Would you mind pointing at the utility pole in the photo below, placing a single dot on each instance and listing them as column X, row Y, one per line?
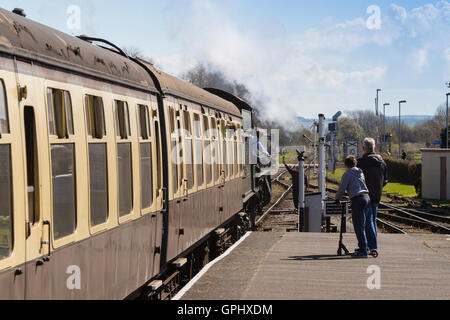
column 399, row 127
column 446, row 116
column 322, row 176
column 446, row 122
column 376, row 102
column 384, row 126
column 314, row 129
column 376, row 114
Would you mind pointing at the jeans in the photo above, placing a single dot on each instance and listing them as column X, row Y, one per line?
column 371, row 226
column 360, row 207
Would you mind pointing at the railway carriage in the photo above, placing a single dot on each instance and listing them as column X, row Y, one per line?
column 111, row 171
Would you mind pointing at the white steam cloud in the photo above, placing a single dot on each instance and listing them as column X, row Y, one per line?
column 302, row 74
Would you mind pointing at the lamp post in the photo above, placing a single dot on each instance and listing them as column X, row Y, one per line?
column 384, row 125
column 376, row 113
column 376, row 102
column 446, row 122
column 399, row 126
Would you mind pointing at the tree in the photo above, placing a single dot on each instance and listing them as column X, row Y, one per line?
column 203, row 76
column 135, row 52
column 349, row 129
column 440, row 115
column 366, row 119
column 444, row 137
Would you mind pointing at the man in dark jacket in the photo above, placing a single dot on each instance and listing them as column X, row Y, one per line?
column 375, row 172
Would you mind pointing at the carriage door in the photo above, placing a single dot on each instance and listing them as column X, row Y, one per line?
column 12, row 193
column 32, row 115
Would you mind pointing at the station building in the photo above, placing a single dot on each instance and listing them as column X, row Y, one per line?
column 436, row 174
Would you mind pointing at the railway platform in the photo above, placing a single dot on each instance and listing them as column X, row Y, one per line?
column 298, row 266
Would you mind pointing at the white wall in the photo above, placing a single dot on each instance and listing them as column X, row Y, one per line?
column 431, row 173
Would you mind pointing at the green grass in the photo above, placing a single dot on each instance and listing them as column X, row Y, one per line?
column 406, row 190
column 289, row 157
column 337, row 175
column 417, row 157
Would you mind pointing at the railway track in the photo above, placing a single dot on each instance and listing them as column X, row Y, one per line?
column 279, row 216
column 391, row 218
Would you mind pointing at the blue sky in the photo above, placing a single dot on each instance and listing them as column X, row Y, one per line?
column 299, row 57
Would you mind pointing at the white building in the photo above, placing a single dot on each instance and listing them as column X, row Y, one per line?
column 436, row 174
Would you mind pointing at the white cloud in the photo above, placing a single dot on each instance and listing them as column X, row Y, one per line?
column 279, row 69
column 400, row 12
column 420, row 59
column 446, row 55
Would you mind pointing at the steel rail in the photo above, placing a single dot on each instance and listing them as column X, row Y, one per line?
column 390, row 226
column 431, row 216
column 440, row 228
column 412, row 218
column 263, row 216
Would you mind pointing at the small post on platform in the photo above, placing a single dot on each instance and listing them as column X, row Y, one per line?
column 301, row 188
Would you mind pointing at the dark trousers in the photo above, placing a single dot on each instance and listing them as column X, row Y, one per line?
column 371, row 225
column 360, row 206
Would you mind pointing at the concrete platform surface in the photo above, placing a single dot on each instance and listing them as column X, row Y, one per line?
column 297, row 266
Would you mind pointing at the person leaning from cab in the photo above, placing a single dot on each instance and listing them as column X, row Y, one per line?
column 353, row 182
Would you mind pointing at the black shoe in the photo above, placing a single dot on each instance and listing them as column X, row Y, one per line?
column 359, row 254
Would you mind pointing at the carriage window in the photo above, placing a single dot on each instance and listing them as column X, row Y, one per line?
column 6, row 204
column 158, row 155
column 98, row 183
column 197, row 126
column 122, row 119
column 59, row 107
column 95, row 116
column 125, row 182
column 32, row 164
column 187, row 123
column 146, row 175
column 174, row 141
column 214, row 127
column 144, row 121
column 63, row 186
column 215, row 150
column 145, row 158
column 198, row 149
column 4, row 121
column 205, row 127
column 188, row 149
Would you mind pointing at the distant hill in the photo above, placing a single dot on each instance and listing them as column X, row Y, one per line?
column 406, row 119
column 412, row 120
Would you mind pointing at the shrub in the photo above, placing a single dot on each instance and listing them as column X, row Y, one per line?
column 408, row 172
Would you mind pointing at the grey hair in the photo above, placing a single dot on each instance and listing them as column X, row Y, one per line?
column 369, row 144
